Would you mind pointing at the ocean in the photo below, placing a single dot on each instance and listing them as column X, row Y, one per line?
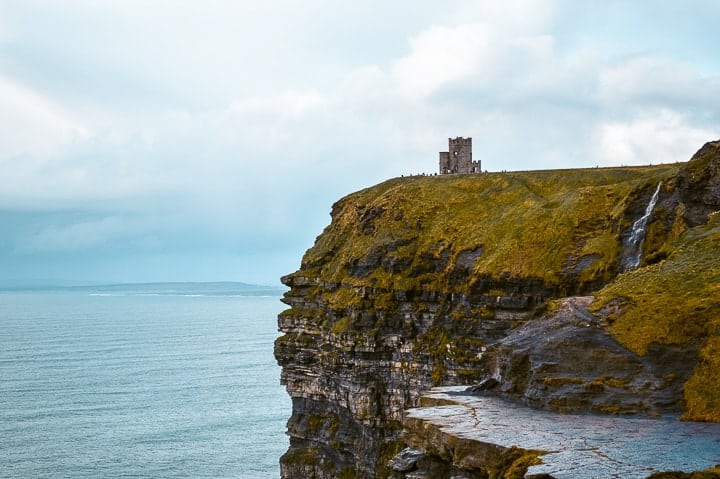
column 141, row 381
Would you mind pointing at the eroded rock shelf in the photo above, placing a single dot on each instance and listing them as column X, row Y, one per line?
column 577, row 445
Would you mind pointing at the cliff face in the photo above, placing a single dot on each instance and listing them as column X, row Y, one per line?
column 453, row 280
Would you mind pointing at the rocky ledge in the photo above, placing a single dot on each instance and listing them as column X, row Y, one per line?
column 515, row 284
column 457, row 434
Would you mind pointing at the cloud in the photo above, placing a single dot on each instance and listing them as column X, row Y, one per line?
column 442, row 55
column 646, row 81
column 34, row 126
column 74, row 237
column 481, row 56
column 286, row 105
column 663, row 136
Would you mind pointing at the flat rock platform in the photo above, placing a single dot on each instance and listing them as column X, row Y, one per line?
column 578, row 445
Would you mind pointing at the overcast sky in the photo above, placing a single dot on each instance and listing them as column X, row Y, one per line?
column 199, row 140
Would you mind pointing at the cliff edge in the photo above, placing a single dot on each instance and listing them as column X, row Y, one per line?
column 516, row 284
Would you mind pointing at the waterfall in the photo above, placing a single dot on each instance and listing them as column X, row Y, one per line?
column 632, row 248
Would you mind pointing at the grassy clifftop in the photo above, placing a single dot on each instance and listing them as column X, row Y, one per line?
column 545, row 225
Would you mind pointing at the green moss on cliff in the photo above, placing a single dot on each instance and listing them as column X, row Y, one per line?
column 303, row 456
column 343, row 325
column 712, row 473
column 702, row 391
column 516, row 462
column 342, row 298
column 400, row 234
column 676, row 301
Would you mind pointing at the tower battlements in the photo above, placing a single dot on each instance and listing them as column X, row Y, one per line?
column 459, row 141
column 458, row 158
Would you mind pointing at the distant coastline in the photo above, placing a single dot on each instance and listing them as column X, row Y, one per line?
column 214, row 288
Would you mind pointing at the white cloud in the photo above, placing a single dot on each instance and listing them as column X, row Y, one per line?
column 643, row 81
column 286, row 105
column 270, row 123
column 512, row 16
column 442, row 55
column 662, row 136
column 32, row 125
column 479, row 56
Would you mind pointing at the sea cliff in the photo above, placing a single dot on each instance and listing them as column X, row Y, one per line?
column 515, row 284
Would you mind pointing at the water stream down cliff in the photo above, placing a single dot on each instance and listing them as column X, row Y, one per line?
column 510, row 284
column 632, row 252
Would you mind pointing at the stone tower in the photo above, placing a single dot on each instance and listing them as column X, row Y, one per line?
column 458, row 158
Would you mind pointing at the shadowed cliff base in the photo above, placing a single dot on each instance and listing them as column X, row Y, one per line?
column 460, row 280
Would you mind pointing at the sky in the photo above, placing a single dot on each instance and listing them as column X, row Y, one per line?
column 206, row 140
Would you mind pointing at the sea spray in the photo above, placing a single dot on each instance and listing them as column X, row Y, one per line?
column 632, row 251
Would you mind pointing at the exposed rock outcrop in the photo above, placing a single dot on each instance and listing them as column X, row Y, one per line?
column 484, row 280
column 698, row 184
column 566, row 360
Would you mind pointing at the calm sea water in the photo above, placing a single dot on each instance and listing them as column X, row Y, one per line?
column 140, row 383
